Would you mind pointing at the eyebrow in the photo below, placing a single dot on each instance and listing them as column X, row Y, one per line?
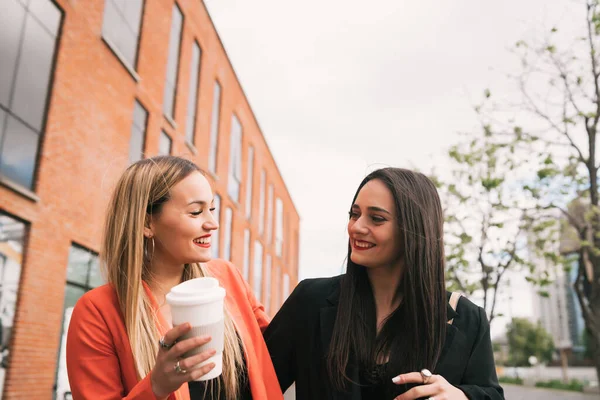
column 373, row 208
column 199, row 202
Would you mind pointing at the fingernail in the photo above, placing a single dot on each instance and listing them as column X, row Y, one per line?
column 396, row 379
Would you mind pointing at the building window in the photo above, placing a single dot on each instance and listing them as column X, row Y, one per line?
column 164, row 144
column 214, row 129
column 257, row 269
column 276, row 286
column 250, row 172
column 235, row 160
column 83, row 274
column 215, row 234
column 138, row 133
column 27, row 47
column 270, row 215
column 227, row 231
column 121, row 28
column 246, row 270
column 173, row 62
column 261, row 202
column 278, row 227
column 267, row 302
column 12, row 242
column 190, row 123
column 285, row 289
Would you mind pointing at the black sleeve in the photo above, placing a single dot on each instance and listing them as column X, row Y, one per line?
column 480, row 381
column 281, row 339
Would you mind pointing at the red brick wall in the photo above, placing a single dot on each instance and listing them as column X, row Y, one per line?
column 85, row 148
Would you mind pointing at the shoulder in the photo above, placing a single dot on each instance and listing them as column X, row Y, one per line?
column 227, row 273
column 470, row 316
column 317, row 290
column 103, row 297
column 96, row 311
column 101, row 302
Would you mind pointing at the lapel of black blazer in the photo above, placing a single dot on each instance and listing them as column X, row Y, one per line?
column 328, row 314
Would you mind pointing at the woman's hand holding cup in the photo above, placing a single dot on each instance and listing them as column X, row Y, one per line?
column 171, row 370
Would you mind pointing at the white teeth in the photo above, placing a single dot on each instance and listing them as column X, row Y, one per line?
column 205, row 240
column 363, row 245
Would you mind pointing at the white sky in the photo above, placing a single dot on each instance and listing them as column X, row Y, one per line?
column 358, row 85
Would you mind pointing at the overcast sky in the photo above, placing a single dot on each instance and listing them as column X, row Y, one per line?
column 360, row 85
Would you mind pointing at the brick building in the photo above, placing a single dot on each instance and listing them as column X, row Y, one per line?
column 86, row 87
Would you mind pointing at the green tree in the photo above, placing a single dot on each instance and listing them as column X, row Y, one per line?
column 526, row 339
column 487, row 216
column 557, row 123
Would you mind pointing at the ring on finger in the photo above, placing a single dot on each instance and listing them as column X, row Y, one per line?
column 178, row 369
column 163, row 344
column 426, row 375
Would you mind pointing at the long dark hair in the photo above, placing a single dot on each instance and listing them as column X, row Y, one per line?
column 413, row 335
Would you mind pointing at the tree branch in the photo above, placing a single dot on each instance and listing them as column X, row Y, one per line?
column 595, row 73
column 571, row 219
column 535, row 109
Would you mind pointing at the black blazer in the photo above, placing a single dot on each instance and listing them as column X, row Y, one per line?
column 300, row 333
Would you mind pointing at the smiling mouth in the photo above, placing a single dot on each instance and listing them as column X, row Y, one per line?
column 362, row 245
column 202, row 242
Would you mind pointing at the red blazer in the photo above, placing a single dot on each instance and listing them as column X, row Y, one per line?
column 100, row 361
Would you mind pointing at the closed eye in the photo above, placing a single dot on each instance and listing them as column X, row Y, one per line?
column 378, row 219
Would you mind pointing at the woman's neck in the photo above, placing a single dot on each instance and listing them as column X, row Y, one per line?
column 164, row 277
column 384, row 283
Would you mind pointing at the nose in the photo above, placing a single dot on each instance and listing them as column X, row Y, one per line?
column 211, row 223
column 357, row 227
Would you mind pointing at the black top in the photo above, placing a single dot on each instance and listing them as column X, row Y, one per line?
column 299, row 336
column 372, row 382
column 199, row 391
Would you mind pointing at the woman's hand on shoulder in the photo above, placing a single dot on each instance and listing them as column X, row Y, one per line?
column 433, row 387
column 171, row 370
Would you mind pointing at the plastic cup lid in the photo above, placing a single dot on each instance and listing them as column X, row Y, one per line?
column 196, row 291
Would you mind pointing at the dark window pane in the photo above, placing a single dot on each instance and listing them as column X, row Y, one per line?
column 2, row 120
column 33, row 74
column 12, row 237
column 193, row 96
column 121, row 27
column 214, row 129
column 19, row 152
column 114, row 28
column 172, row 61
column 132, row 10
column 72, row 294
column 215, row 236
column 138, row 128
column 47, row 13
column 11, row 24
column 78, row 266
column 140, row 116
column 164, row 145
column 136, row 144
column 169, row 99
column 128, row 45
column 95, row 279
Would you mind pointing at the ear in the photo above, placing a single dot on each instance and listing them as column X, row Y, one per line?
column 148, row 228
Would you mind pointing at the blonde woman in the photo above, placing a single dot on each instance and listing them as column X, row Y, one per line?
column 120, row 343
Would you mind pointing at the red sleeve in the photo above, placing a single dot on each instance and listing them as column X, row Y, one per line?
column 92, row 363
column 259, row 310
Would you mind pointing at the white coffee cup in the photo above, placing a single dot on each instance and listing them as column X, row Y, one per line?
column 199, row 301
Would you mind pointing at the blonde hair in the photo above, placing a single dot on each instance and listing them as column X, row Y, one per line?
column 139, row 194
